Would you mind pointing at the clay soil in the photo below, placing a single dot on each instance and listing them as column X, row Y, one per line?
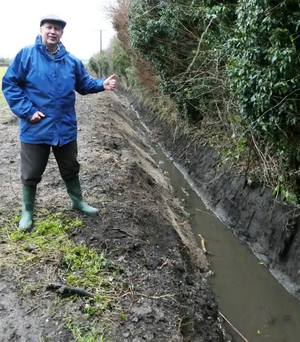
column 141, row 227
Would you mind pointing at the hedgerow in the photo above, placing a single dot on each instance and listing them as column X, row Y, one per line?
column 167, row 34
column 232, row 69
column 264, row 72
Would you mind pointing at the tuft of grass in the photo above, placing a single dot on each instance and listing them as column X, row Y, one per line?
column 82, row 335
column 49, row 248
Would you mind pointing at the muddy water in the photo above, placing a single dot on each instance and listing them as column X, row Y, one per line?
column 255, row 303
column 249, row 296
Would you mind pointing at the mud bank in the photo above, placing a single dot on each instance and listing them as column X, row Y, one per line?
column 141, row 227
column 270, row 228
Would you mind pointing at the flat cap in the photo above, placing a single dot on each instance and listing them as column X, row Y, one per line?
column 52, row 17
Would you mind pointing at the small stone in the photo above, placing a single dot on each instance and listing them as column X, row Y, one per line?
column 31, row 248
column 127, row 334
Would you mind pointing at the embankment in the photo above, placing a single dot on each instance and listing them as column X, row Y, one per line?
column 269, row 227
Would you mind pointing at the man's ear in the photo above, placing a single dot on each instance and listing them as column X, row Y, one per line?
column 41, row 29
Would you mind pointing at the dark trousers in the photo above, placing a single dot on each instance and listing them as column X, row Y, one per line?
column 34, row 159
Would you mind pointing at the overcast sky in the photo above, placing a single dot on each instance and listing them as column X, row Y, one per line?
column 20, row 19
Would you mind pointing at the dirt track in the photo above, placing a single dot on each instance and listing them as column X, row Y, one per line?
column 141, row 227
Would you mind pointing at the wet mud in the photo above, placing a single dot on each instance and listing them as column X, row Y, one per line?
column 141, row 226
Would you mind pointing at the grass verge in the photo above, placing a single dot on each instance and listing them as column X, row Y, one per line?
column 48, row 254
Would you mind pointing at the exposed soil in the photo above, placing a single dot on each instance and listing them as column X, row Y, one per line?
column 141, row 227
column 268, row 226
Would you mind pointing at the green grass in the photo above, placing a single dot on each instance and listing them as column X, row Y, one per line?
column 50, row 247
column 81, row 336
column 2, row 72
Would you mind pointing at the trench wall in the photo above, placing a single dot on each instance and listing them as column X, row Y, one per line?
column 269, row 227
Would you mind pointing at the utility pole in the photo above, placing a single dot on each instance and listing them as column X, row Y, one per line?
column 100, row 49
column 100, row 41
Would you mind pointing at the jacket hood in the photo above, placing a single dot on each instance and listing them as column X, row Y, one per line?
column 42, row 47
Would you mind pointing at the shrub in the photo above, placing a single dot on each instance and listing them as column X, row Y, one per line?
column 264, row 70
column 103, row 65
column 93, row 65
column 179, row 40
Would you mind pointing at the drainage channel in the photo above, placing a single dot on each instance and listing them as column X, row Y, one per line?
column 248, row 295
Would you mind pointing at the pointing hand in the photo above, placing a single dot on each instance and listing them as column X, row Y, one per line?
column 110, row 83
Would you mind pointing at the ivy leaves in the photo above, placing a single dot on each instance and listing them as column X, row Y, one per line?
column 264, row 68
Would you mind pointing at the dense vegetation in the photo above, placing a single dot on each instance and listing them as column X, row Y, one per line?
column 232, row 70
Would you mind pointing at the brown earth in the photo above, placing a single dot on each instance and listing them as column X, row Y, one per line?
column 141, row 227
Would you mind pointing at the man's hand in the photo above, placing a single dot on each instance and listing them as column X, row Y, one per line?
column 110, row 83
column 37, row 117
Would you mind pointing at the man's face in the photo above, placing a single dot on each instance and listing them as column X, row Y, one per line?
column 51, row 33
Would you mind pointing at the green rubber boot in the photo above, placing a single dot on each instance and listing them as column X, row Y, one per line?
column 74, row 191
column 29, row 192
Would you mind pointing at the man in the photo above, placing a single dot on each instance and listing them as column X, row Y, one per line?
column 40, row 86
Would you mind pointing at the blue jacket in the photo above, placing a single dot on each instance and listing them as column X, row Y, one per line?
column 35, row 81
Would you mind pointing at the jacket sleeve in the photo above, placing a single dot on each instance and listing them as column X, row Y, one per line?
column 84, row 83
column 12, row 87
